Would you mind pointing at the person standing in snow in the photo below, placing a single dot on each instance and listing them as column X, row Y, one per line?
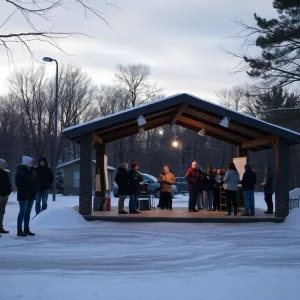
column 135, row 178
column 231, row 181
column 248, row 182
column 26, row 183
column 45, row 179
column 268, row 184
column 166, row 179
column 208, row 180
column 5, row 190
column 122, row 180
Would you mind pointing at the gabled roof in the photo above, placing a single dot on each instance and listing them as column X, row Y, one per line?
column 77, row 161
column 190, row 112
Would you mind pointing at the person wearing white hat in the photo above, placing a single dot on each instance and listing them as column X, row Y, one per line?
column 26, row 183
column 5, row 190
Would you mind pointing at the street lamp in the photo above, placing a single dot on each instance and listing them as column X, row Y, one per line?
column 49, row 59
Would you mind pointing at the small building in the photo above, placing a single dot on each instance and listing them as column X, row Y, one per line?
column 72, row 176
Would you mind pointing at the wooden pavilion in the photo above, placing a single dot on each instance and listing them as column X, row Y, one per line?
column 245, row 132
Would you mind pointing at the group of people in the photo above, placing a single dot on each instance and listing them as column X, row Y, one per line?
column 204, row 189
column 32, row 185
column 203, row 186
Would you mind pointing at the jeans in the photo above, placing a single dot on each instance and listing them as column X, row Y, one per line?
column 208, row 199
column 249, row 202
column 133, row 203
column 24, row 213
column 200, row 201
column 193, row 198
column 121, row 202
column 41, row 196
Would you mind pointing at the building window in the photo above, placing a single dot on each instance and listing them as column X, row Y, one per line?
column 76, row 178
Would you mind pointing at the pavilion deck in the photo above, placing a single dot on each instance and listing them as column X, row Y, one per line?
column 180, row 215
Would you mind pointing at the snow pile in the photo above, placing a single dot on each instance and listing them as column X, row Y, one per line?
column 295, row 193
column 293, row 219
column 59, row 217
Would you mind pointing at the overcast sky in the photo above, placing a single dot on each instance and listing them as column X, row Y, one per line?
column 181, row 40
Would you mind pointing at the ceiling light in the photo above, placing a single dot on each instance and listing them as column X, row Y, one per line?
column 141, row 121
column 202, row 132
column 225, row 122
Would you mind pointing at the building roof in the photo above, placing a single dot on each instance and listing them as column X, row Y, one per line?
column 190, row 112
column 77, row 161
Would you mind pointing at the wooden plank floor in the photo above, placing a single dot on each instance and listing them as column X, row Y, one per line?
column 180, row 215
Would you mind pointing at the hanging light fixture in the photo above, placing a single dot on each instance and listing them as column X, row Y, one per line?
column 142, row 131
column 175, row 144
column 225, row 122
column 202, row 132
column 141, row 121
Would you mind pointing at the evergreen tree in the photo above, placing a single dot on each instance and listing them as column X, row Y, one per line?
column 279, row 39
column 59, row 181
column 268, row 107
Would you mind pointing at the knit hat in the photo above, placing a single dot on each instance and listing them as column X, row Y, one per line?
column 2, row 163
column 134, row 164
column 26, row 160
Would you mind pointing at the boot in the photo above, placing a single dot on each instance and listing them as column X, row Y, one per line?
column 28, row 232
column 123, row 212
column 2, row 230
column 21, row 233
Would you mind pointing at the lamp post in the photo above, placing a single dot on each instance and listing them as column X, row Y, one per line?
column 48, row 59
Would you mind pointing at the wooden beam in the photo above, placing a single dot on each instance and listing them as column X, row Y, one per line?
column 135, row 130
column 209, row 117
column 178, row 113
column 97, row 138
column 259, row 142
column 218, row 131
column 216, row 136
column 133, row 123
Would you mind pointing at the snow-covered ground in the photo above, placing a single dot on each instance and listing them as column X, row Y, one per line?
column 74, row 259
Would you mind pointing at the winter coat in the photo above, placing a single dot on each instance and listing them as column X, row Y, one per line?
column 193, row 178
column 218, row 181
column 166, row 186
column 5, row 185
column 135, row 178
column 122, row 180
column 26, row 183
column 268, row 183
column 231, row 180
column 208, row 180
column 249, row 180
column 44, row 176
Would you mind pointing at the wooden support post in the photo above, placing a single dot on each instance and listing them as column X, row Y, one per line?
column 86, row 177
column 282, row 178
column 100, row 186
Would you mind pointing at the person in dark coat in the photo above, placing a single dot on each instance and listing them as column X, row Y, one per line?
column 268, row 184
column 26, row 183
column 122, row 180
column 200, row 189
column 5, row 190
column 248, row 183
column 135, row 178
column 45, row 179
column 217, row 185
column 208, row 180
column 192, row 176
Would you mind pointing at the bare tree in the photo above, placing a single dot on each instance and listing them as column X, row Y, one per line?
column 35, row 12
column 232, row 98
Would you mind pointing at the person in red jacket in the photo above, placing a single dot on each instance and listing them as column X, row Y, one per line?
column 193, row 178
